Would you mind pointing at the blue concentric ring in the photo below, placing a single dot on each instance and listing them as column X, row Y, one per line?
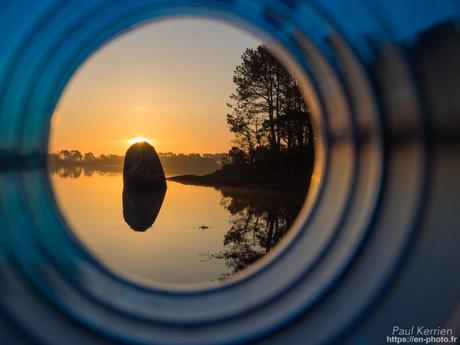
column 355, row 59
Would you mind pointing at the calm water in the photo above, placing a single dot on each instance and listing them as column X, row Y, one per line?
column 200, row 233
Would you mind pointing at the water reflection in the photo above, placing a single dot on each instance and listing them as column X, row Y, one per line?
column 141, row 204
column 75, row 170
column 200, row 234
column 259, row 220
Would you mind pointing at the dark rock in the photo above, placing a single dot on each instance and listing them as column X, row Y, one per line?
column 141, row 204
column 144, row 186
column 142, row 165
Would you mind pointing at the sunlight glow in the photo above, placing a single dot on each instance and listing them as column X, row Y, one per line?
column 139, row 140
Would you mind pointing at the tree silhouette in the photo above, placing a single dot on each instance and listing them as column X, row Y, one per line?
column 89, row 156
column 269, row 116
column 76, row 155
column 64, row 155
column 237, row 156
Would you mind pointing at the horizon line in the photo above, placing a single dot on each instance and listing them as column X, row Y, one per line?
column 168, row 152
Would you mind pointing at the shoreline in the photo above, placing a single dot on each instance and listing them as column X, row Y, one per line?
column 243, row 181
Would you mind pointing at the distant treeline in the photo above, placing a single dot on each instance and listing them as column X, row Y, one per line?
column 173, row 163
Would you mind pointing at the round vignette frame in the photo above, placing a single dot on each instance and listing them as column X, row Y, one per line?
column 336, row 140
column 319, row 168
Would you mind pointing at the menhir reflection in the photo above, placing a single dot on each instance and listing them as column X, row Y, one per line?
column 144, row 186
column 141, row 205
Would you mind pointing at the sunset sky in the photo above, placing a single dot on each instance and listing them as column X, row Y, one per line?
column 167, row 81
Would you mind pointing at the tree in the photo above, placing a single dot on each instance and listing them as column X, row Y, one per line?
column 258, row 84
column 245, row 125
column 296, row 131
column 237, row 156
column 65, row 155
column 89, row 156
column 268, row 112
column 76, row 155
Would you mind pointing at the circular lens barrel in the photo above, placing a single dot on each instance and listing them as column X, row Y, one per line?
column 376, row 248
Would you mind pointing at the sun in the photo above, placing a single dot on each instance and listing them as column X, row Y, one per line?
column 139, row 140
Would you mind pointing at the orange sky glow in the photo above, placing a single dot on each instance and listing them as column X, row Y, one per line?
column 168, row 82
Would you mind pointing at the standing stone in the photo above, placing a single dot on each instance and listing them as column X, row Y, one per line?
column 142, row 165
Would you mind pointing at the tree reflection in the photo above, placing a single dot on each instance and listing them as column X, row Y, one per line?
column 75, row 171
column 258, row 221
column 68, row 171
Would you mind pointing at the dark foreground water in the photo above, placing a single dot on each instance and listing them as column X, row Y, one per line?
column 200, row 233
